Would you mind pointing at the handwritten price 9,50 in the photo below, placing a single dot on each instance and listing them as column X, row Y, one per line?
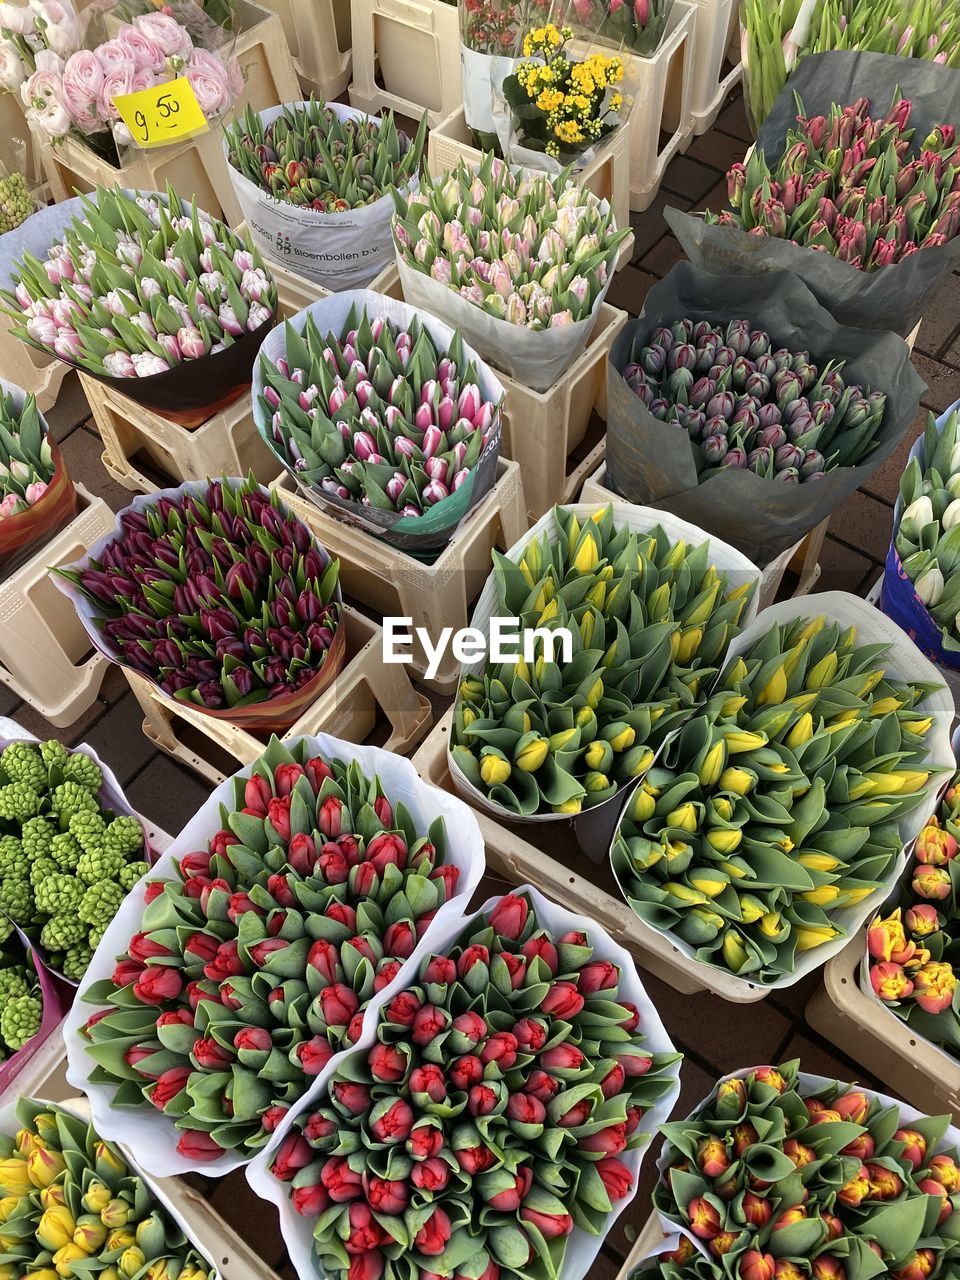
column 163, row 114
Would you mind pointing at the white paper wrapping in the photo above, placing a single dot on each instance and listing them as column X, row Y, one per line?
column 80, row 1108
column 640, row 519
column 337, row 250
column 582, row 1248
column 481, row 71
column 151, row 1132
column 536, row 358
column 807, row 1084
column 904, row 661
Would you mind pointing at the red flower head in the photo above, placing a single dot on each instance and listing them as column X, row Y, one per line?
column 914, row 1146
column 333, row 866
column 387, row 1064
column 317, row 770
column 500, row 1048
column 175, row 1017
column 599, row 975
column 135, row 1055
column 610, row 1141
column 517, row 968
column 261, row 950
column 385, row 849
column 365, row 1231
column 314, row 1054
column 278, row 815
column 613, row 1082
column 450, row 877
column 210, row 1056
column 428, row 1023
column 387, row 1196
column 475, row 954
column 202, row 946
column 387, row 970
column 704, row 1218
column 481, row 1100
column 302, row 854
column 432, row 1237
column 366, row 1266
column 430, row 1175
column 198, row 1146
column 550, row 1225
column 562, row 1057
column 294, row 1154
column 615, row 1176
column 428, row 1080
column 310, row 1202
column 319, row 1127
column 342, row 913
column 338, row 1004
column 226, row 963
column 152, row 890
column 126, row 971
column 509, row 916
column 285, row 778
column 400, row 940
column 466, row 1071
column 325, row 958
column 257, row 795
column 632, row 1021
column 425, row 1142
column 524, row 1108
column 195, row 864
column 168, row 1085
column 384, row 810
column 563, row 1000
column 221, row 842
column 440, row 970
column 542, row 1086
column 330, row 817
column 340, row 1181
column 530, row 1034
column 542, row 947
column 272, row 1117
column 157, row 983
column 142, row 947
column 403, row 1008
column 393, row 1121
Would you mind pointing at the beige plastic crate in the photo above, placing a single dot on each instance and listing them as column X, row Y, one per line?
column 144, row 451
column 557, row 436
column 803, row 558
column 45, row 654
column 196, row 168
column 406, row 55
column 364, row 697
column 716, row 33
column 266, row 64
column 924, row 1075
column 319, row 39
column 568, row 875
column 28, row 368
column 392, row 584
column 608, row 177
column 662, row 105
column 294, row 292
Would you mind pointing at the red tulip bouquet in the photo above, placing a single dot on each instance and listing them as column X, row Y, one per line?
column 780, row 1175
column 492, row 1120
column 302, row 893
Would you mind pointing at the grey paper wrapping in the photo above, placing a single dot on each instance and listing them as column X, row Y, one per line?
column 651, row 462
column 894, row 297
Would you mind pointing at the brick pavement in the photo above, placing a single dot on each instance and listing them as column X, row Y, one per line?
column 169, row 794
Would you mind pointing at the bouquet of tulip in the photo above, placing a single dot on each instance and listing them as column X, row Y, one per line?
column 495, row 1118
column 137, row 291
column 753, row 405
column 863, row 203
column 36, row 495
column 298, row 170
column 71, row 850
column 638, row 25
column 817, row 416
column 848, row 185
column 780, row 807
column 254, row 962
column 650, row 618
column 490, row 31
column 912, row 948
column 921, row 582
column 218, row 596
column 509, row 258
column 73, row 1206
column 385, row 414
column 76, row 94
column 48, row 29
column 561, row 107
column 775, row 36
column 852, row 1183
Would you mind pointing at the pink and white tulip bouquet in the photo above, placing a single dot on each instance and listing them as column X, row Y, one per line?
column 36, row 494
column 491, row 1121
column 75, row 93
column 139, row 290
column 254, row 963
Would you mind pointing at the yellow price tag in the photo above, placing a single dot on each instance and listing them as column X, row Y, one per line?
column 163, row 114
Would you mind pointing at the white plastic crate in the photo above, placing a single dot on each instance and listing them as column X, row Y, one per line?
column 45, row 654
column 267, row 67
column 715, row 37
column 414, row 45
column 662, row 105
column 319, row 38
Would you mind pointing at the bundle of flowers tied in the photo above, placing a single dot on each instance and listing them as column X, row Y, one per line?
column 854, row 192
column 220, row 597
column 36, row 494
column 650, row 615
column 73, row 1206
column 777, row 817
column 921, row 581
column 520, row 262
column 142, row 291
column 289, row 905
column 911, row 946
column 491, row 1123
column 21, row 1001
column 780, row 1175
column 314, row 184
column 387, row 416
column 71, row 849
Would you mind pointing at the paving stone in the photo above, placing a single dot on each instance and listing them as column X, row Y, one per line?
column 841, row 569
column 82, row 451
column 167, row 794
column 253, row 1219
column 821, row 1059
column 628, row 289
column 118, row 738
column 864, row 524
column 34, row 723
column 885, row 481
column 793, row 1000
column 689, row 178
column 664, row 255
column 114, row 686
column 10, row 702
column 733, row 120
column 717, row 150
column 70, row 410
column 941, row 320
column 649, row 227
column 943, row 383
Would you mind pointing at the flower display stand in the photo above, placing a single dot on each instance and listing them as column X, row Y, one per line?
column 803, row 558
column 266, row 64
column 294, row 292
column 434, row 596
column 558, row 436
column 415, row 46
column 45, row 654
column 366, row 696
column 607, row 176
column 319, row 39
column 144, row 451
column 662, row 105
column 197, row 168
column 923, row 1074
column 566, row 874
column 716, row 31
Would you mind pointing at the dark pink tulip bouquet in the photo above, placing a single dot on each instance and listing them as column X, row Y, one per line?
column 491, row 1123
